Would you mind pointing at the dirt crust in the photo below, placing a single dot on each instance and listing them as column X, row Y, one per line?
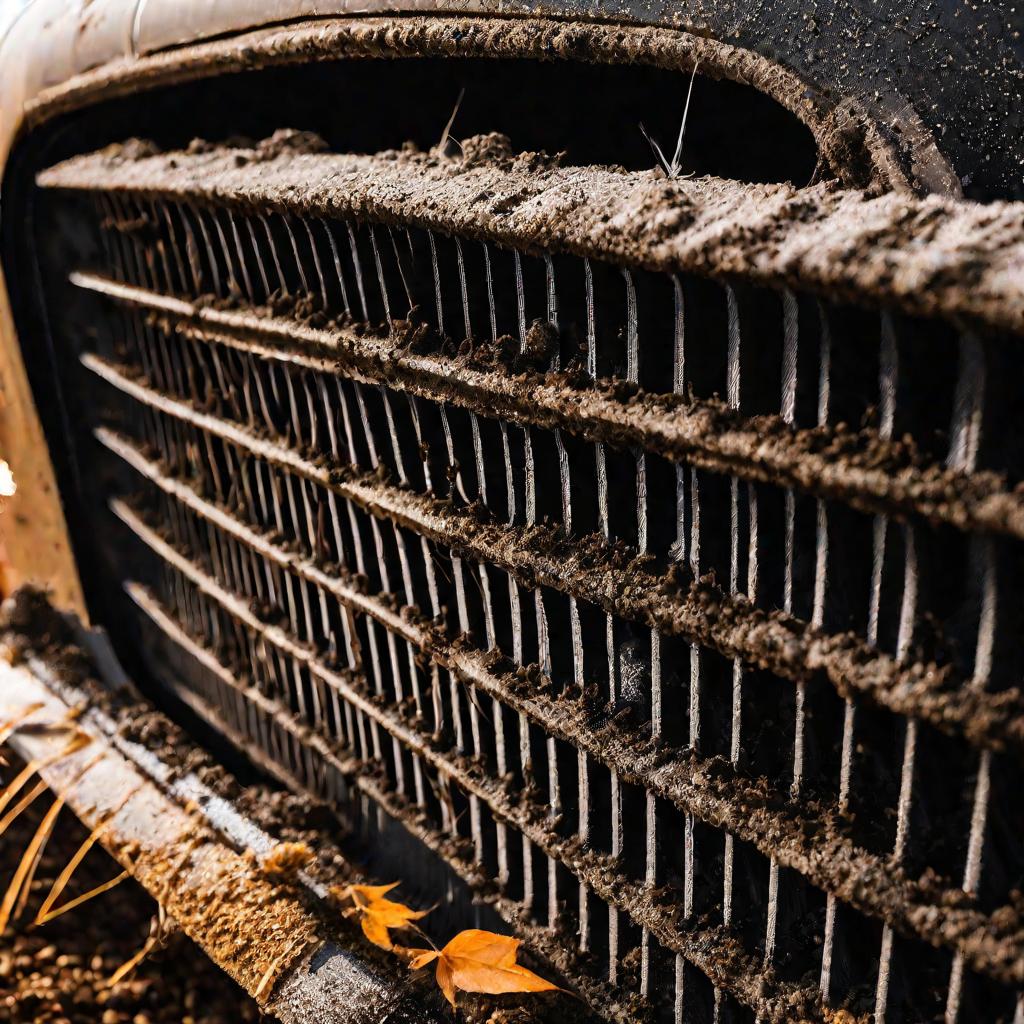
column 614, row 579
column 857, row 466
column 267, row 912
column 58, row 973
column 931, row 257
column 811, row 838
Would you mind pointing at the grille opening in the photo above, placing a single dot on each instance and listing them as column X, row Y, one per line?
column 830, row 565
column 733, row 130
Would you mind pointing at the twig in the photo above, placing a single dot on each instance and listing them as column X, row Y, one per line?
column 25, row 864
column 21, row 805
column 673, row 167
column 132, row 962
column 442, row 145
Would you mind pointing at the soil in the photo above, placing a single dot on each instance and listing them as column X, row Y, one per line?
column 57, row 974
column 858, row 150
column 857, row 466
column 929, row 257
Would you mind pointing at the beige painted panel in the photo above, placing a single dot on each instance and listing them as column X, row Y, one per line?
column 33, row 532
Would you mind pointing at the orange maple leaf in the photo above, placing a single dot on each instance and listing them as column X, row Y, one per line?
column 479, row 961
column 378, row 915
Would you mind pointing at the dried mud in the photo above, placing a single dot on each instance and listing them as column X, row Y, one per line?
column 853, row 147
column 930, row 257
column 267, row 911
column 808, row 837
column 858, row 467
column 612, row 578
column 57, row 974
column 724, row 961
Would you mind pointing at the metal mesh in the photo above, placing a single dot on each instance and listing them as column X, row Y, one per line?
column 721, row 745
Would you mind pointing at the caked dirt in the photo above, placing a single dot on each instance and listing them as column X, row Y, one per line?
column 928, row 257
column 264, row 916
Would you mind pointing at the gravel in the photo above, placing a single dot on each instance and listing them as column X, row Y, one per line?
column 57, row 974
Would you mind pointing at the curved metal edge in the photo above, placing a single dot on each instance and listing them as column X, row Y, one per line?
column 188, row 847
column 58, row 56
column 158, row 44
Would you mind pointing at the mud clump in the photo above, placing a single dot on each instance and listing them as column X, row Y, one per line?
column 492, row 148
column 284, row 863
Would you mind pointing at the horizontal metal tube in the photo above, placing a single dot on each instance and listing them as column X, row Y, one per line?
column 807, row 839
column 738, row 972
column 538, row 556
column 704, row 434
column 540, row 940
column 164, row 831
column 928, row 256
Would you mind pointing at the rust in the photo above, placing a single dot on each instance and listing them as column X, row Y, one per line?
column 929, row 257
column 804, row 836
column 590, row 570
column 860, row 468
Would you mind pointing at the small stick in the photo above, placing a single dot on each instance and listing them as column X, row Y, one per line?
column 25, row 864
column 11, row 726
column 268, row 975
column 45, row 912
column 99, row 890
column 451, row 120
column 673, row 168
column 26, row 885
column 132, row 962
column 12, row 789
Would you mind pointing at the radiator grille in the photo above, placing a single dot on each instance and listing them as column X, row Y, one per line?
column 709, row 697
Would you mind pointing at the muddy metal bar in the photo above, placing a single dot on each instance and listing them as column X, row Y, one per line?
column 703, row 434
column 929, row 256
column 724, row 800
column 178, row 850
column 731, row 625
column 739, row 972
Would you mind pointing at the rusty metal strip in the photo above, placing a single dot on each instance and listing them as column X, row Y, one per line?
column 929, row 256
column 735, row 971
column 731, row 625
column 704, row 434
column 804, row 838
column 209, row 886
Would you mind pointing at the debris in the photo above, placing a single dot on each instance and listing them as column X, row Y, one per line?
column 480, row 961
column 283, row 864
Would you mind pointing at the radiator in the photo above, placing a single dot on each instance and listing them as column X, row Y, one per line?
column 635, row 559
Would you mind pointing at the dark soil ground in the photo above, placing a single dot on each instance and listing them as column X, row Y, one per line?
column 58, row 973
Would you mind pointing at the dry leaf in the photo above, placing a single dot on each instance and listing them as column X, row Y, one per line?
column 479, row 961
column 378, row 915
